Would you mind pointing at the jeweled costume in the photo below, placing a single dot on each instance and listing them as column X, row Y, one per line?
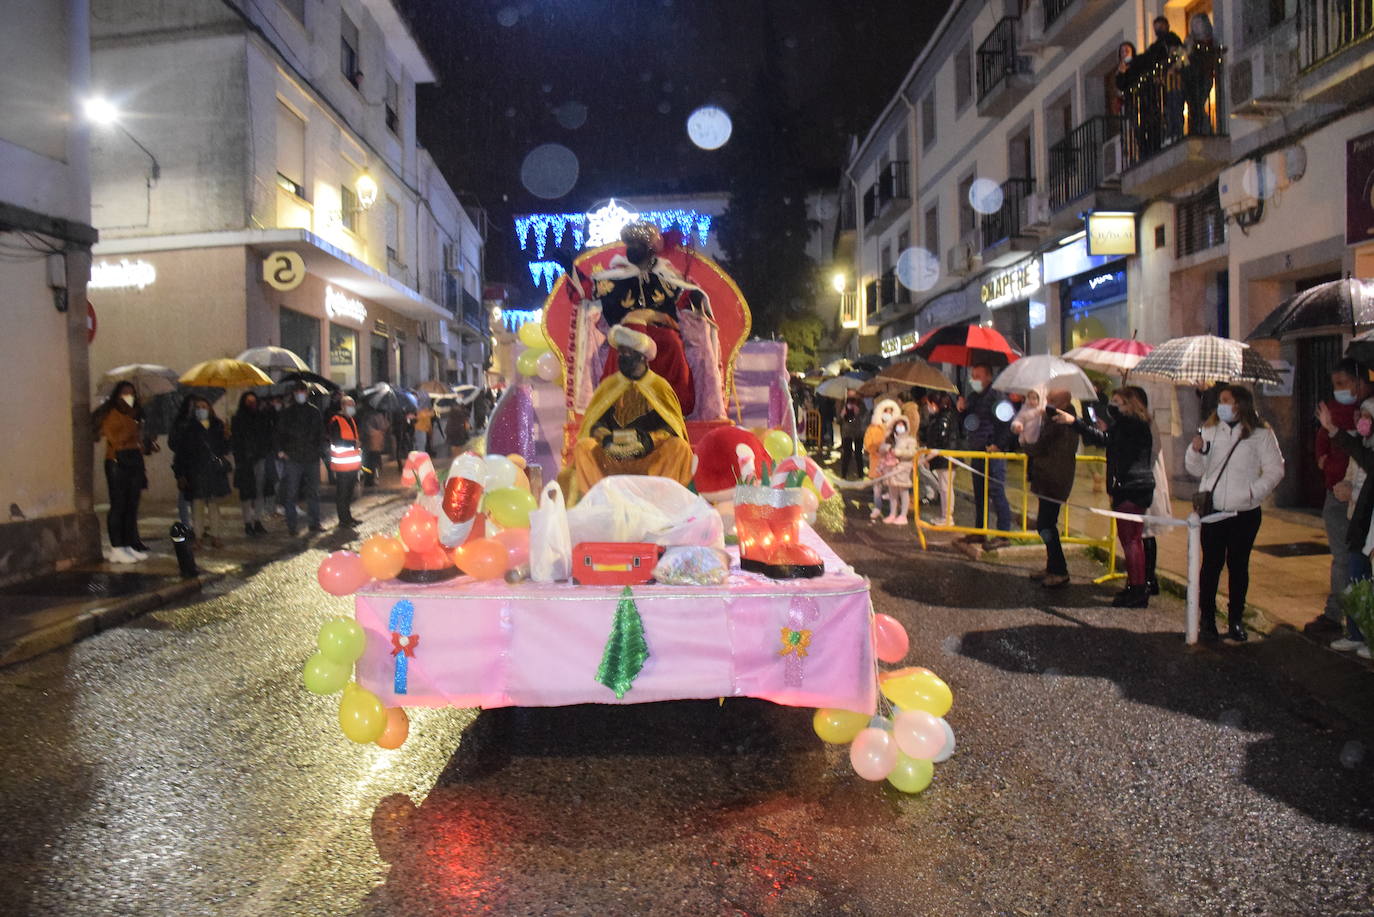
column 633, row 424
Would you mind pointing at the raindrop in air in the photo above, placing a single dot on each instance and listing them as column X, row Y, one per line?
column 1004, row 411
column 1352, row 754
column 571, row 115
column 918, row 269
column 709, row 127
column 510, row 112
column 826, row 208
column 645, row 76
column 664, row 107
column 508, row 16
column 667, row 86
column 546, row 88
column 549, row 171
column 1231, row 718
column 985, row 195
column 790, row 42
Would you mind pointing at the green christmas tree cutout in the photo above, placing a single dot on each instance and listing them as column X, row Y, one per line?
column 626, row 650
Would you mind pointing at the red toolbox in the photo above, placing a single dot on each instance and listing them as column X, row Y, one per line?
column 614, row 563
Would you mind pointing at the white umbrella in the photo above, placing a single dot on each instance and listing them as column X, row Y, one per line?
column 838, row 387
column 149, row 379
column 273, row 358
column 1046, row 372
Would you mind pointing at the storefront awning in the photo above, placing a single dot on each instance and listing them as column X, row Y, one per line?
column 323, row 259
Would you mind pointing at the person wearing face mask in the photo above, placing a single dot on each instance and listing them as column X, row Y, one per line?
column 986, row 433
column 1235, row 457
column 1332, row 460
column 251, row 432
column 633, row 425
column 299, row 442
column 201, row 444
column 119, row 424
column 1053, row 452
column 899, row 453
column 1358, row 492
column 345, row 458
column 1129, row 442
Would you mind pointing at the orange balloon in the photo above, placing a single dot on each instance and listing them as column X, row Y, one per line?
column 397, row 728
column 517, row 544
column 522, row 480
column 485, row 558
column 517, row 459
column 419, row 529
column 383, row 557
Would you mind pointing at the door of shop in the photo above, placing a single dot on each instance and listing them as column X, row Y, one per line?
column 1316, row 357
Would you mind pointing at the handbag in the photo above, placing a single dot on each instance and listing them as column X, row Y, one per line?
column 1202, row 499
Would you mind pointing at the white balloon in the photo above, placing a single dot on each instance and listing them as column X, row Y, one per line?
column 948, row 750
column 469, row 465
column 500, row 472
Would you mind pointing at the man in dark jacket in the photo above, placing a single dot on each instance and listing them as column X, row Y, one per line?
column 987, row 433
column 300, row 440
column 1348, row 390
column 1055, row 452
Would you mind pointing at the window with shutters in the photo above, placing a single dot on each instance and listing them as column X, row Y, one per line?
column 393, row 230
column 932, row 230
column 348, row 51
column 393, row 105
column 290, row 150
column 348, row 208
column 963, row 77
column 928, row 121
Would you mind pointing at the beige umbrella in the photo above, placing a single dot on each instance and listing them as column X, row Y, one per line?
column 269, row 359
column 917, row 372
column 434, row 387
column 149, row 380
column 225, row 373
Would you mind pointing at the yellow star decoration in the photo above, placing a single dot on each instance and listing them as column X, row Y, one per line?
column 795, row 641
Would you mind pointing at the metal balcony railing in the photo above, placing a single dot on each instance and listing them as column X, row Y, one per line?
column 1178, row 99
column 871, row 304
column 1199, row 223
column 1005, row 222
column 997, row 57
column 1076, row 161
column 893, row 183
column 870, row 205
column 1327, row 27
column 472, row 310
column 1054, row 9
column 892, row 292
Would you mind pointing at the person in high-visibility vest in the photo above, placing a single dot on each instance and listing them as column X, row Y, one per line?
column 345, row 459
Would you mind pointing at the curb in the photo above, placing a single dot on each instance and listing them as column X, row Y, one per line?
column 103, row 617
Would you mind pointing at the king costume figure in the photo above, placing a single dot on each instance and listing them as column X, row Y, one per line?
column 634, row 424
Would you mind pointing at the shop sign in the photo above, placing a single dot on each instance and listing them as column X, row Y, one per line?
column 1070, row 260
column 284, row 270
column 910, row 340
column 1111, row 232
column 1016, row 282
column 121, row 275
column 890, row 347
column 341, row 305
column 1359, row 189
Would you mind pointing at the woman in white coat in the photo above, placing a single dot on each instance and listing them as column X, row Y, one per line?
column 1235, row 456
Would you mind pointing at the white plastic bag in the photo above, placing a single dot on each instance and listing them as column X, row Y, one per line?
column 632, row 507
column 550, row 542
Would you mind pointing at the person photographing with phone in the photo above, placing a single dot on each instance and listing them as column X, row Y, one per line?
column 1236, row 459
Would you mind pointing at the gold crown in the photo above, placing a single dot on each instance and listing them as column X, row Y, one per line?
column 645, row 233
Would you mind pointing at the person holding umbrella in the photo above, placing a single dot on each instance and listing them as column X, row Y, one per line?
column 853, row 424
column 987, row 432
column 119, row 424
column 1237, row 461
column 251, row 434
column 1053, row 450
column 299, row 441
column 201, row 444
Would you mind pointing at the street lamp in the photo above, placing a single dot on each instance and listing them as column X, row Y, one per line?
column 366, row 187
column 104, row 113
column 838, row 281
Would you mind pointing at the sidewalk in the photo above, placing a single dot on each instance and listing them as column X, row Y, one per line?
column 49, row 612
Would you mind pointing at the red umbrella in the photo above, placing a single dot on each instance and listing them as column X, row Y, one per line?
column 1109, row 355
column 966, row 345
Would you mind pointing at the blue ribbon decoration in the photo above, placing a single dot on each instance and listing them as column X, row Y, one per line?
column 402, row 620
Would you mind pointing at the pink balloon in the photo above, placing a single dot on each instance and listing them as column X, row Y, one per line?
column 890, row 639
column 873, row 753
column 517, row 543
column 343, row 573
column 918, row 734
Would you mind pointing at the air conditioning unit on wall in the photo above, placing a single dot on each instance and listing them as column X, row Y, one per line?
column 1035, row 212
column 1112, row 159
column 1263, row 81
column 962, row 259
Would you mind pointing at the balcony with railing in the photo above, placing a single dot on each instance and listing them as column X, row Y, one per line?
column 1335, row 53
column 1005, row 237
column 1068, row 21
column 1175, row 128
column 1076, row 162
column 892, row 294
column 1003, row 74
column 472, row 311
column 871, row 303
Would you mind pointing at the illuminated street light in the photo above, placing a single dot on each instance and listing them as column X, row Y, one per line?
column 838, row 281
column 366, row 187
column 101, row 111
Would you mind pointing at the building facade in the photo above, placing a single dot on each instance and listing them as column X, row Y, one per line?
column 45, row 245
column 1015, row 180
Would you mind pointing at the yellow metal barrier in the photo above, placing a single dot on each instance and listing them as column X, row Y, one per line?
column 967, row 456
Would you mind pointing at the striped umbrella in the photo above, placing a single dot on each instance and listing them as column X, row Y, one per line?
column 1109, row 355
column 1205, row 358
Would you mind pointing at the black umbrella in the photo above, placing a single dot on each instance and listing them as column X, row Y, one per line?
column 1345, row 303
column 309, row 377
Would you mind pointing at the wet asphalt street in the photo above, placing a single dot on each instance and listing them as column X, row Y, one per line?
column 176, row 766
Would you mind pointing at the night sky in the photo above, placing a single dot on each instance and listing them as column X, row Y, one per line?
column 614, row 81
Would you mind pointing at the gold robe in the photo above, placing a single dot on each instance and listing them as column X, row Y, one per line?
column 628, row 400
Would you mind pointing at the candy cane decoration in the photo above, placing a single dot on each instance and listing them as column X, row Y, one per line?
column 419, row 470
column 462, row 497
column 807, row 466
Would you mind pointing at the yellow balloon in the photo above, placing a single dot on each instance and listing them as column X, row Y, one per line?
column 911, row 775
column 838, row 727
column 777, row 444
column 361, row 715
column 510, row 507
column 527, row 364
column 532, row 336
column 919, row 691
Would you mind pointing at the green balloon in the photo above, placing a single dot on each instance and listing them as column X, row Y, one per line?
column 510, row 507
column 341, row 640
column 911, row 775
column 324, row 676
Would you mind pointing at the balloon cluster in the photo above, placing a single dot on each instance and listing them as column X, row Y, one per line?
column 537, row 359
column 905, row 741
column 362, row 718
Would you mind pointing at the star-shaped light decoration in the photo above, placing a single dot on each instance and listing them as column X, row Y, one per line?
column 604, row 223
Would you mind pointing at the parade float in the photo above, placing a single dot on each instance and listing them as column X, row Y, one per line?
column 634, row 545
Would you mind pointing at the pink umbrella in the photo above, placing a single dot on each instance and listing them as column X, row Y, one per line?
column 1109, row 355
